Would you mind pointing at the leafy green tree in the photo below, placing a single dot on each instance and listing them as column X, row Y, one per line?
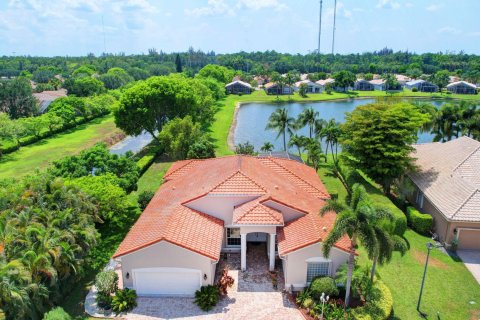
column 414, row 73
column 344, row 79
column 149, row 104
column 53, row 121
column 308, row 117
column 178, row 63
column 202, row 149
column 138, row 73
column 357, row 220
column 84, row 87
column 57, row 314
column 245, row 148
column 441, row 79
column 314, row 152
column 221, row 74
column 267, row 147
column 391, row 82
column 34, row 126
column 368, row 76
column 63, row 109
column 16, row 98
column 302, row 91
column 84, row 71
column 395, row 126
column 115, row 78
column 43, row 75
column 178, row 136
column 282, row 123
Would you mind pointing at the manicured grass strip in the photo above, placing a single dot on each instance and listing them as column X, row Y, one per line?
column 449, row 286
column 151, row 179
column 41, row 154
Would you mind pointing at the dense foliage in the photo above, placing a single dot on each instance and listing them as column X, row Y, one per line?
column 16, row 98
column 124, row 300
column 99, row 161
column 377, row 139
column 57, row 314
column 207, row 297
column 325, row 285
column 420, row 222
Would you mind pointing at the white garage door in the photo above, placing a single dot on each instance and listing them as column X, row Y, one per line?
column 166, row 281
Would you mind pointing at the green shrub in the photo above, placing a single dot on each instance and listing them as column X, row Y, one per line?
column 379, row 307
column 124, row 300
column 57, row 314
column 145, row 162
column 323, row 285
column 420, row 222
column 207, row 297
column 414, row 89
column 308, row 303
column 144, row 198
column 104, row 300
column 107, row 282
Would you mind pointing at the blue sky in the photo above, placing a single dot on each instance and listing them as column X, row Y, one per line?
column 74, row 27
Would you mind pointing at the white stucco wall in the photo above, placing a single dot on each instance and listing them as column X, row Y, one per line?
column 220, row 207
column 295, row 264
column 165, row 254
column 288, row 213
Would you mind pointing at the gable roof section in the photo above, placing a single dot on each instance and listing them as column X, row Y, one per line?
column 240, row 82
column 166, row 218
column 449, row 176
column 257, row 214
column 468, row 84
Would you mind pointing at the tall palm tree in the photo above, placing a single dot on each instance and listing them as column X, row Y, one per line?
column 282, row 123
column 308, row 117
column 314, row 152
column 331, row 132
column 298, row 142
column 267, row 147
column 357, row 220
column 14, row 297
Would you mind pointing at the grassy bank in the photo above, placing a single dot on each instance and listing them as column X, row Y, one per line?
column 41, row 154
column 225, row 115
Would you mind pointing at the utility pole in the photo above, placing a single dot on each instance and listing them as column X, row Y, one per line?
column 334, row 20
column 319, row 27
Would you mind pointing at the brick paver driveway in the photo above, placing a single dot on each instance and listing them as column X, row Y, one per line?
column 252, row 296
column 471, row 258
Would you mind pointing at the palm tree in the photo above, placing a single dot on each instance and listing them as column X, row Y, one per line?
column 282, row 123
column 331, row 132
column 314, row 152
column 267, row 147
column 298, row 142
column 357, row 220
column 308, row 117
column 14, row 297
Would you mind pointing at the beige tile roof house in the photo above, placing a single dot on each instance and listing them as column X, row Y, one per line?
column 229, row 204
column 448, row 187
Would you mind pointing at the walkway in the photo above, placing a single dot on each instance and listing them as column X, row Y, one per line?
column 252, row 296
column 471, row 259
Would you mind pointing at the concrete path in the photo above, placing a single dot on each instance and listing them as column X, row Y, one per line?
column 471, row 259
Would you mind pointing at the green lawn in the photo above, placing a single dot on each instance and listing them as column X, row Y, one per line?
column 449, row 286
column 224, row 116
column 41, row 154
column 151, row 179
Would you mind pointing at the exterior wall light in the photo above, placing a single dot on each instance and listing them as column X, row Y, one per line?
column 205, row 276
column 127, row 275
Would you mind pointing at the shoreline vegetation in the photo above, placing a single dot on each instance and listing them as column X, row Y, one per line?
column 231, row 105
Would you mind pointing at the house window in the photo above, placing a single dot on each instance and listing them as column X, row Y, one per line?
column 315, row 269
column 420, row 199
column 233, row 237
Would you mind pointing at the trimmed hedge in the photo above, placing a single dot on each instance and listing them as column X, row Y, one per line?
column 145, row 162
column 380, row 307
column 420, row 222
column 323, row 285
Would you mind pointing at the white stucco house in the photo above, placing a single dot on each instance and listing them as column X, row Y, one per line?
column 208, row 207
column 312, row 87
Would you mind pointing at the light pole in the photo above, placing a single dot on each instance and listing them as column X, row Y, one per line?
column 430, row 246
column 323, row 299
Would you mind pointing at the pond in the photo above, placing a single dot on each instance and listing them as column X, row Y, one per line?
column 253, row 117
column 131, row 143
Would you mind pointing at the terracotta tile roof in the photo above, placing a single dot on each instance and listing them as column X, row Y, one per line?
column 239, row 184
column 449, row 176
column 254, row 213
column 167, row 217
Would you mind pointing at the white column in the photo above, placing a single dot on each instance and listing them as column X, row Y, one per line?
column 272, row 252
column 243, row 250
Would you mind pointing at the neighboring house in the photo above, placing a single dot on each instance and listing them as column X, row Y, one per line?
column 324, row 82
column 276, row 89
column 46, row 97
column 206, row 207
column 462, row 87
column 304, row 76
column 238, row 86
column 402, row 80
column 452, row 79
column 378, row 84
column 447, row 186
column 422, row 86
column 312, row 87
column 260, row 80
column 363, row 85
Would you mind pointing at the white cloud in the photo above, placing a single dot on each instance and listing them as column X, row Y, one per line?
column 213, row 7
column 449, row 30
column 388, row 4
column 261, row 4
column 434, row 7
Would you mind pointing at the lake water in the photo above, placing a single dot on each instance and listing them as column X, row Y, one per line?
column 253, row 117
column 131, row 143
